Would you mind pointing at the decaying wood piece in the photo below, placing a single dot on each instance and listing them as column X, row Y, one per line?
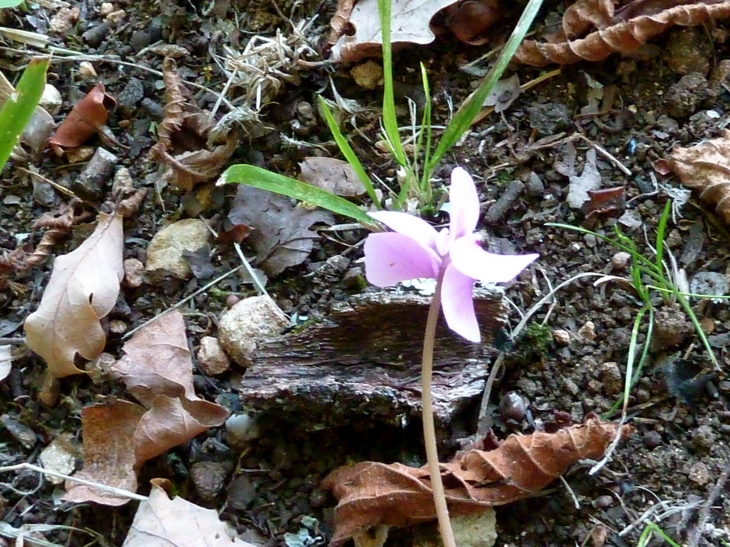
column 373, row 495
column 705, row 168
column 623, row 31
column 365, row 358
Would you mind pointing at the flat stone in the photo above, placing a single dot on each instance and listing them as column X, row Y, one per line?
column 248, row 323
column 212, row 360
column 165, row 253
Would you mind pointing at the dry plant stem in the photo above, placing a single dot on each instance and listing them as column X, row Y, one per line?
column 429, row 429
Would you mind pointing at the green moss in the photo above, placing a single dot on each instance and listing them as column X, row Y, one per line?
column 535, row 341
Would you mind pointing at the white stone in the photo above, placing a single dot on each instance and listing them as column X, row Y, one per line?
column 165, row 252
column 59, row 456
column 51, row 100
column 241, row 429
column 212, row 360
column 246, row 324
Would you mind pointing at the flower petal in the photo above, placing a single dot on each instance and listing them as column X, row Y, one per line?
column 471, row 260
column 464, row 203
column 392, row 257
column 458, row 304
column 416, row 228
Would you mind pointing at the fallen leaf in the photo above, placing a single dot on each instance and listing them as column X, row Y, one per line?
column 705, row 169
column 504, row 93
column 6, row 361
column 374, row 494
column 85, row 120
column 157, row 369
column 282, row 234
column 606, row 31
column 109, row 457
column 410, row 22
column 83, row 288
column 471, row 20
column 335, row 176
column 189, row 169
column 176, row 95
column 164, row 522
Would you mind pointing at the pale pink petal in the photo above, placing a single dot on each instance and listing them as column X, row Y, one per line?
column 408, row 225
column 458, row 304
column 391, row 258
column 464, row 204
column 471, row 260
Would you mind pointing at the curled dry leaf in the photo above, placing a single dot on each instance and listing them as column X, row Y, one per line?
column 164, row 522
column 592, row 30
column 86, row 119
column 705, row 168
column 185, row 147
column 373, row 494
column 158, row 370
column 83, row 288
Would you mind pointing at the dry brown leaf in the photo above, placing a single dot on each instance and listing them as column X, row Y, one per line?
column 470, row 21
column 83, row 288
column 609, row 32
column 175, row 103
column 164, row 522
column 108, row 435
column 335, row 176
column 410, row 23
column 705, row 168
column 86, row 118
column 282, row 234
column 374, row 494
column 158, row 371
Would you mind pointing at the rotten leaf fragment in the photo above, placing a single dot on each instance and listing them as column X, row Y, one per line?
column 282, row 233
column 333, row 175
column 410, row 22
column 704, row 168
column 158, row 370
column 83, row 289
column 593, row 29
column 188, row 150
column 85, row 120
column 164, row 522
column 373, row 494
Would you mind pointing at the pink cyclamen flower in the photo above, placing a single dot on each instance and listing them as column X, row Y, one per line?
column 415, row 249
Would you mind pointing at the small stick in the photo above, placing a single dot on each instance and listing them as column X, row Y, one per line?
column 41, row 470
column 693, row 538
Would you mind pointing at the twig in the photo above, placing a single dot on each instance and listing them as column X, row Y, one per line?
column 12, row 341
column 183, row 301
column 483, row 425
column 104, row 487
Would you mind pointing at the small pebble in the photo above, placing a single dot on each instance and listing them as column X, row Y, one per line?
column 588, row 331
column 208, row 479
column 699, row 474
column 620, row 261
column 87, row 71
column 133, row 273
column 212, row 360
column 652, row 439
column 106, row 8
column 604, row 502
column 513, row 406
column 561, row 337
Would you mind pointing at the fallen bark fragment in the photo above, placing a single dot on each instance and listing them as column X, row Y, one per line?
column 373, row 495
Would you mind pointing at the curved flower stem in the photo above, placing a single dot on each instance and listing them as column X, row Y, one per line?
column 429, row 429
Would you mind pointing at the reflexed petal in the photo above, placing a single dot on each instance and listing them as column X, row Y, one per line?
column 458, row 304
column 391, row 258
column 408, row 225
column 464, row 203
column 471, row 260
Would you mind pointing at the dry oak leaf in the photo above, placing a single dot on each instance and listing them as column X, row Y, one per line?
column 83, row 288
column 374, row 494
column 609, row 31
column 164, row 522
column 410, row 22
column 86, row 118
column 333, row 175
column 705, row 168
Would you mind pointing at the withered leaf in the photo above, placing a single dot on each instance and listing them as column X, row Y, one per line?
column 282, row 234
column 333, row 175
column 705, row 168
column 83, row 288
column 373, row 494
column 164, row 522
column 86, row 118
column 622, row 31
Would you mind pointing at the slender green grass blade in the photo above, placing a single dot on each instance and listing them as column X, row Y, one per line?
column 661, row 229
column 464, row 117
column 349, row 153
column 18, row 109
column 257, row 177
column 10, row 3
column 390, row 122
column 426, row 128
